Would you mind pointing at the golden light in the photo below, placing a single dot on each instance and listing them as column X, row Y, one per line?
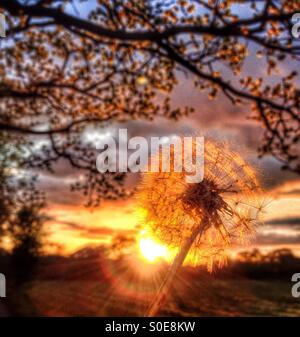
column 151, row 250
column 142, row 80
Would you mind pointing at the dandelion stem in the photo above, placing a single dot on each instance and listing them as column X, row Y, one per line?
column 164, row 289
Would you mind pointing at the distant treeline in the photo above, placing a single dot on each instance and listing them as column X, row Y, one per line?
column 90, row 263
column 280, row 263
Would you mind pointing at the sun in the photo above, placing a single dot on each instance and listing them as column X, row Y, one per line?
column 151, row 250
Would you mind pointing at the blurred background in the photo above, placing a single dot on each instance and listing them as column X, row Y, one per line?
column 72, row 73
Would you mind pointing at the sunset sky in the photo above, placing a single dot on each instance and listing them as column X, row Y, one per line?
column 73, row 226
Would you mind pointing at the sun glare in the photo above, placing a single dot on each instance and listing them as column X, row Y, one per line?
column 151, row 250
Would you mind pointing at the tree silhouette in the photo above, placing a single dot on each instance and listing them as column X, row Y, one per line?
column 25, row 232
column 68, row 63
column 5, row 201
column 9, row 183
column 120, row 244
column 20, row 208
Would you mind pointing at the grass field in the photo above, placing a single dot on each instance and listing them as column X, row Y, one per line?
column 213, row 297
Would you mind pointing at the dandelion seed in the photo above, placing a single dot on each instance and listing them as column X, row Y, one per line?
column 202, row 220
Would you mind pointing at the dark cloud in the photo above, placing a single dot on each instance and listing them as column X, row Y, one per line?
column 277, row 239
column 283, row 231
column 291, row 221
column 90, row 232
column 58, row 190
column 271, row 173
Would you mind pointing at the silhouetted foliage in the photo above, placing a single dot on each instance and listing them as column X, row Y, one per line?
column 120, row 244
column 66, row 64
column 25, row 231
column 20, row 214
column 7, row 188
column 277, row 264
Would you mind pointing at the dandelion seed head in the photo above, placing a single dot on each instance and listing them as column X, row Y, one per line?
column 228, row 199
